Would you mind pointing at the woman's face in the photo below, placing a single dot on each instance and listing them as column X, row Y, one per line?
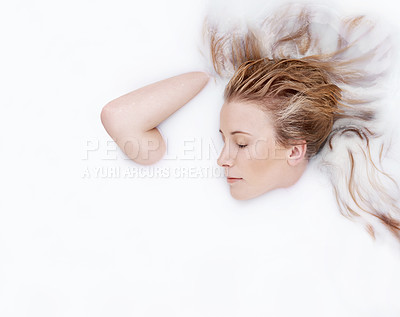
column 249, row 152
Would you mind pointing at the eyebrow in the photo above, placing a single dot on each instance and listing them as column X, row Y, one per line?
column 234, row 132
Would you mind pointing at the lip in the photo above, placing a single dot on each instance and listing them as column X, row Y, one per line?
column 232, row 180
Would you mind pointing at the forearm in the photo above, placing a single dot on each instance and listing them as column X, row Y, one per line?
column 145, row 108
column 131, row 119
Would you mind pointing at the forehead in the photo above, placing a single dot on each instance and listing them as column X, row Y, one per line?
column 244, row 116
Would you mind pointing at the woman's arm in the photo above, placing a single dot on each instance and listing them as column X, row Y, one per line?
column 131, row 119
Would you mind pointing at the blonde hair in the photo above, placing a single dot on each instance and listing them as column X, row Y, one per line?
column 310, row 90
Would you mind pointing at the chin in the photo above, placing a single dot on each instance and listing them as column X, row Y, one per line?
column 242, row 196
column 248, row 196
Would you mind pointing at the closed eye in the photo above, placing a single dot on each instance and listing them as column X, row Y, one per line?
column 242, row 145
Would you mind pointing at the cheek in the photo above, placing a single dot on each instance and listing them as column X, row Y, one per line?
column 253, row 161
column 260, row 169
column 263, row 163
column 262, row 150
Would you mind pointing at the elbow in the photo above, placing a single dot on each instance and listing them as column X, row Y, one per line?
column 118, row 119
column 112, row 122
column 106, row 115
column 142, row 147
column 112, row 119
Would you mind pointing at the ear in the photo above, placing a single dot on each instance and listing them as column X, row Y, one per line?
column 296, row 153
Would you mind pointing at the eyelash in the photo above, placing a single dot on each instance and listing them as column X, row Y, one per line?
column 239, row 145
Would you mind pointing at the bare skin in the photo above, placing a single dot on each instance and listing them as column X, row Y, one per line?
column 251, row 156
column 132, row 119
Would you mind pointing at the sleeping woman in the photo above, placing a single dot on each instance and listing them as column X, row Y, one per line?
column 298, row 90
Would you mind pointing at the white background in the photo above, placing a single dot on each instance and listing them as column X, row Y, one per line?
column 101, row 245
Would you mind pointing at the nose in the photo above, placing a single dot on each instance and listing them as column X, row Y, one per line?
column 225, row 159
